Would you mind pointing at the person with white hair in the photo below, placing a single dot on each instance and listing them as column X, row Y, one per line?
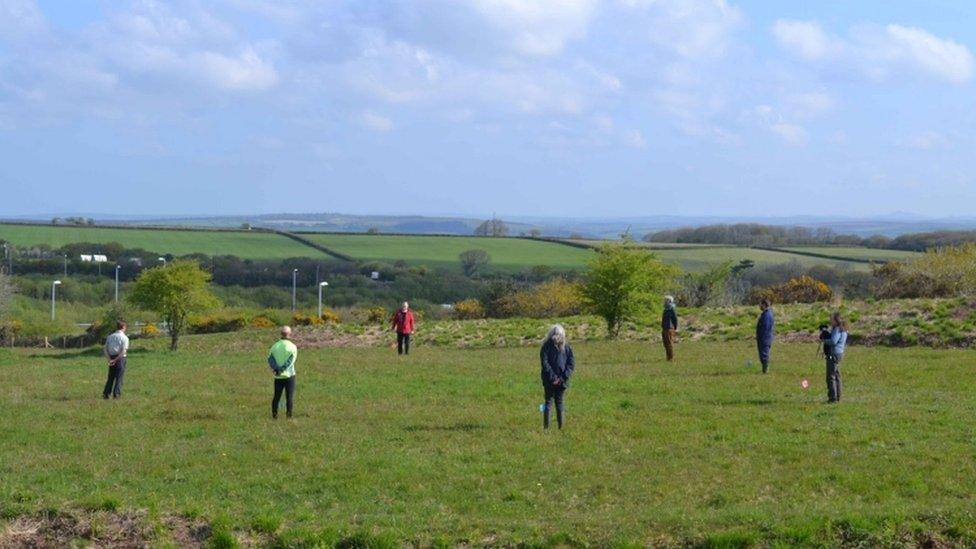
column 557, row 366
column 281, row 360
column 403, row 324
column 669, row 327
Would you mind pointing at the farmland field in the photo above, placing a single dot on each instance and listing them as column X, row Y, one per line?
column 246, row 245
column 858, row 252
column 446, row 446
column 701, row 259
column 507, row 254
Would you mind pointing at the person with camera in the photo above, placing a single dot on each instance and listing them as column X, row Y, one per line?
column 669, row 327
column 765, row 330
column 833, row 338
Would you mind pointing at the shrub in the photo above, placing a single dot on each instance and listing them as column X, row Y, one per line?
column 262, row 321
column 330, row 317
column 150, row 330
column 469, row 309
column 556, row 297
column 217, row 324
column 301, row 319
column 377, row 315
column 803, row 289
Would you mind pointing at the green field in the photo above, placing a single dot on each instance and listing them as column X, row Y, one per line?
column 858, row 252
column 246, row 245
column 507, row 254
column 701, row 259
column 446, row 446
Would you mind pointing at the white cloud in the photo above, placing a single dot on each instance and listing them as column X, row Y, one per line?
column 635, row 139
column 926, row 53
column 244, row 72
column 690, row 28
column 538, row 27
column 791, row 133
column 804, row 38
column 880, row 53
column 375, row 122
column 927, row 141
column 20, row 19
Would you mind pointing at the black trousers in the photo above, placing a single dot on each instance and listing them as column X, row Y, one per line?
column 113, row 385
column 286, row 386
column 553, row 393
column 403, row 344
column 833, row 378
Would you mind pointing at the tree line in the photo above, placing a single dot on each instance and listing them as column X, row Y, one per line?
column 755, row 234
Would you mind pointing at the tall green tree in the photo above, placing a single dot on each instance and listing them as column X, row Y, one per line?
column 174, row 291
column 624, row 282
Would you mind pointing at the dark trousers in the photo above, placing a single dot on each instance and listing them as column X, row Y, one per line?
column 553, row 393
column 764, row 355
column 667, row 336
column 403, row 344
column 113, row 385
column 833, row 378
column 287, row 386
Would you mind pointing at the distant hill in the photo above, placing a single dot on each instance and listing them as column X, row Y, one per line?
column 891, row 225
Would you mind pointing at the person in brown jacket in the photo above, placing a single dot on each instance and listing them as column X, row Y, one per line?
column 669, row 327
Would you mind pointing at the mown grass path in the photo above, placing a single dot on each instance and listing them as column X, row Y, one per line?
column 447, row 444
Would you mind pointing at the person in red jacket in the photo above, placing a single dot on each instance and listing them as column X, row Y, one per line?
column 403, row 325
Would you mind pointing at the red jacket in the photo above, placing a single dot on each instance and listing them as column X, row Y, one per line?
column 403, row 322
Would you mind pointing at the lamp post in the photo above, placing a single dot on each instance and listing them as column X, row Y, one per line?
column 117, row 267
column 66, row 265
column 294, row 289
column 163, row 259
column 54, row 292
column 322, row 284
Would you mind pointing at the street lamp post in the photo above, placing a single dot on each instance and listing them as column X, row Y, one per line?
column 66, row 265
column 294, row 289
column 322, row 284
column 54, row 292
column 117, row 267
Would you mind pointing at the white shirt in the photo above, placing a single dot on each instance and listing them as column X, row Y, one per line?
column 117, row 343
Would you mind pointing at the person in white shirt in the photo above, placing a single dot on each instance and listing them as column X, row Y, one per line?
column 116, row 348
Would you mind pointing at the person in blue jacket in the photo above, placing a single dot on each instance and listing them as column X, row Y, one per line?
column 765, row 330
column 834, row 353
column 557, row 366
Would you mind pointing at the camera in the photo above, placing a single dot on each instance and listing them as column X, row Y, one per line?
column 826, row 344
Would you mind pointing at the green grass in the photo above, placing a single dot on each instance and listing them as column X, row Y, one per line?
column 246, row 245
column 507, row 254
column 446, row 446
column 701, row 259
column 858, row 252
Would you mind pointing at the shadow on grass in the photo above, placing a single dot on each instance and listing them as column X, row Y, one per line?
column 457, row 427
column 84, row 353
column 741, row 402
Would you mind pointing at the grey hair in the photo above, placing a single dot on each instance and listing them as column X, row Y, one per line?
column 669, row 300
column 557, row 334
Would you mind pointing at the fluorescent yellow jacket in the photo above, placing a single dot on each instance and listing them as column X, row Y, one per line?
column 281, row 359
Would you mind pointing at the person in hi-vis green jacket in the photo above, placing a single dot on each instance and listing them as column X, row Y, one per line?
column 281, row 360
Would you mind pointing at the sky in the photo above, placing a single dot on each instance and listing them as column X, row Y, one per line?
column 562, row 108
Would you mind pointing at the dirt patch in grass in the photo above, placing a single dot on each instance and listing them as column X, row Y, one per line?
column 66, row 529
column 330, row 337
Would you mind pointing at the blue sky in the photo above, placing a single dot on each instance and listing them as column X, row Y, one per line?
column 569, row 108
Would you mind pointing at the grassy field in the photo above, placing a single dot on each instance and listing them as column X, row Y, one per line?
column 246, row 245
column 507, row 254
column 446, row 446
column 858, row 252
column 701, row 259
